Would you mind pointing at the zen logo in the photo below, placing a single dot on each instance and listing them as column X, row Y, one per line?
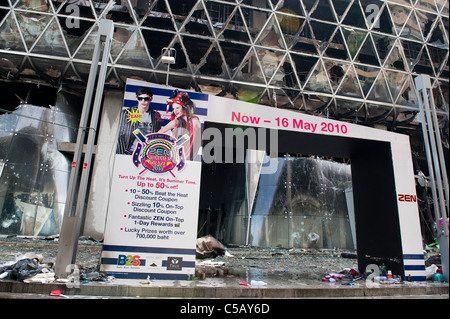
column 129, row 260
column 174, row 263
column 407, row 198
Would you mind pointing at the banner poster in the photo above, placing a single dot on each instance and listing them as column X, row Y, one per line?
column 151, row 227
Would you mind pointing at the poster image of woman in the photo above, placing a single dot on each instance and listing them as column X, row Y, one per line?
column 183, row 121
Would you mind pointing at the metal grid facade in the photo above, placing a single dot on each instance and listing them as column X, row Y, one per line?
column 352, row 60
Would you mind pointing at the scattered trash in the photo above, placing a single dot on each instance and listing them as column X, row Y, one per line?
column 57, row 293
column 146, row 281
column 227, row 254
column 435, row 259
column 94, row 276
column 258, row 283
column 313, row 237
column 243, row 283
column 438, row 277
column 45, row 277
column 209, row 263
column 349, row 255
column 332, row 277
column 430, row 271
column 22, row 269
column 209, row 247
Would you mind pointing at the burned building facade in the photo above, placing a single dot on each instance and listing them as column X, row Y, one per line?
column 350, row 60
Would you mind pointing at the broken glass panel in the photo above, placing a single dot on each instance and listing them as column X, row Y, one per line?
column 86, row 47
column 336, row 72
column 247, row 93
column 346, row 108
column 158, row 16
column 303, row 41
column 350, row 84
column 408, row 94
column 440, row 95
column 51, row 41
column 156, row 41
column 322, row 31
column 367, row 53
column 135, row 52
column 384, row 23
column 412, row 51
column 395, row 80
column 379, row 113
column 271, row 35
column 426, row 5
column 323, row 11
column 270, row 63
column 290, row 76
column 32, row 26
column 437, row 56
column 336, row 47
column 290, row 25
column 318, row 81
column 36, row 5
column 10, row 38
column 354, row 39
column 234, row 54
column 380, row 91
column 292, row 6
column 303, row 66
column 197, row 22
column 53, row 69
column 383, row 45
column 213, row 64
column 395, row 60
column 423, row 64
column 340, row 7
column 437, row 38
column 404, row 116
column 120, row 38
column 255, row 21
column 250, row 69
column 426, row 21
column 399, row 16
column 355, row 17
column 227, row 22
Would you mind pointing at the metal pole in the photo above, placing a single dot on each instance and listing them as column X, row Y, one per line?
column 70, row 230
column 437, row 168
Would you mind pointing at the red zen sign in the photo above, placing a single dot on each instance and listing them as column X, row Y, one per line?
column 407, row 198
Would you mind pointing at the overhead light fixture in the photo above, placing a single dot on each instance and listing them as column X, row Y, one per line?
column 168, row 59
column 168, row 56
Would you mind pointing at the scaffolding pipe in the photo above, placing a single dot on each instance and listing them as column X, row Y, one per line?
column 70, row 229
column 436, row 164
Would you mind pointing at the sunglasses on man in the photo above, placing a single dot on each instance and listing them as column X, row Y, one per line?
column 144, row 98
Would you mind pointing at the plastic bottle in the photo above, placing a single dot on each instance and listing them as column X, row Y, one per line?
column 383, row 269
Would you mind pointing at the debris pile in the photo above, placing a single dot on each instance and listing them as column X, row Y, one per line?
column 28, row 268
column 209, row 247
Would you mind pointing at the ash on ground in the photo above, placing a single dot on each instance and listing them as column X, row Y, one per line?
column 266, row 263
column 239, row 261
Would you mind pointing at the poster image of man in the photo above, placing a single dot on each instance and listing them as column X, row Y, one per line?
column 141, row 117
